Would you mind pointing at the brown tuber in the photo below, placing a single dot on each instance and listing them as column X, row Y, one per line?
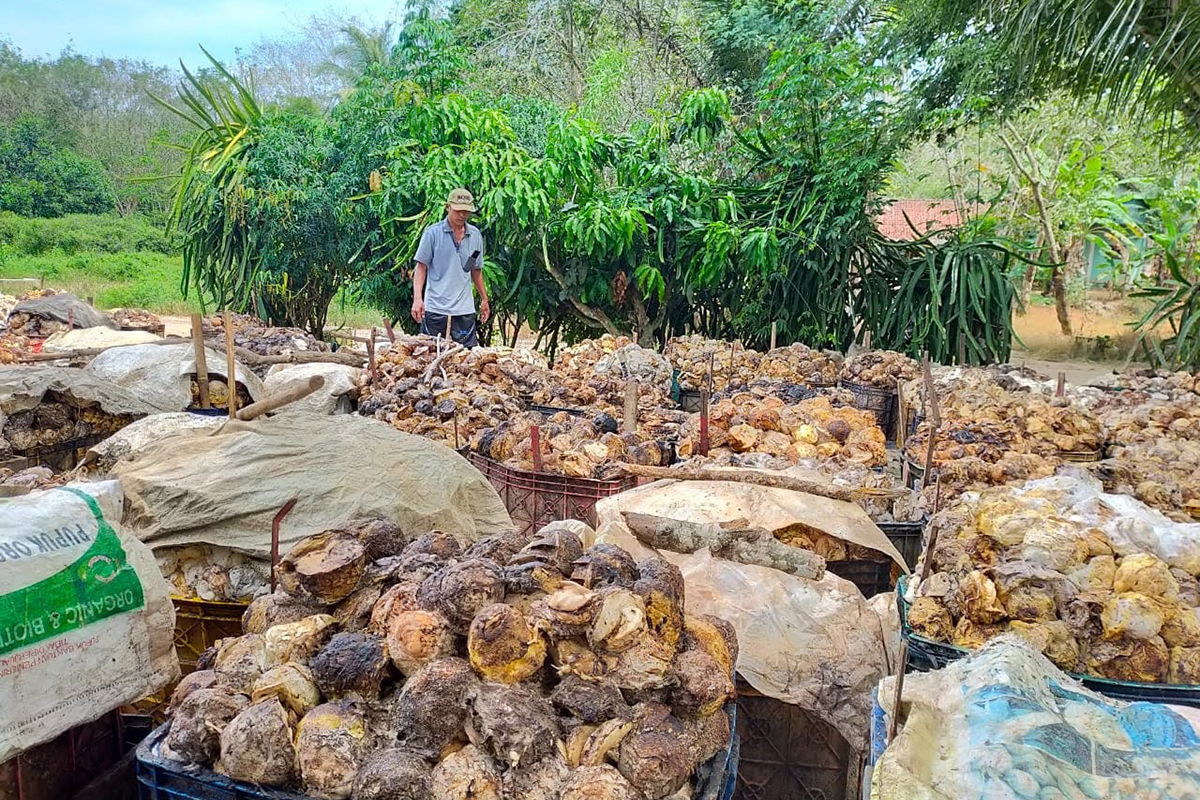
column 502, row 647
column 326, row 567
column 392, row 774
column 256, row 746
column 352, row 663
column 597, row 783
column 513, row 723
column 462, row 590
column 279, row 608
column 465, row 775
column 417, row 637
column 380, row 537
column 702, row 685
column 291, row 684
column 654, row 755
column 435, row 543
column 329, row 749
column 195, row 732
column 432, row 709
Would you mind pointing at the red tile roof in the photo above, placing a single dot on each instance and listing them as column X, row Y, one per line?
column 925, row 215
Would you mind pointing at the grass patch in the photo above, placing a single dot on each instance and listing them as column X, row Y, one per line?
column 146, row 280
column 139, row 280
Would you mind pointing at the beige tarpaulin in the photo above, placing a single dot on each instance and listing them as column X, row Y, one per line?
column 780, row 511
column 162, row 373
column 99, row 336
column 223, row 488
column 22, row 388
column 816, row 644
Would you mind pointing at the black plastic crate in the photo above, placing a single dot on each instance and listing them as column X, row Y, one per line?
column 160, row 778
column 908, row 537
column 882, row 403
column 871, row 577
column 788, row 753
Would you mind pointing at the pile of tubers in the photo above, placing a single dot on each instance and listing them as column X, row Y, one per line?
column 392, row 667
column 729, row 363
column 810, row 429
column 1033, row 562
column 469, row 390
column 880, row 369
column 56, row 420
column 136, row 319
column 572, row 445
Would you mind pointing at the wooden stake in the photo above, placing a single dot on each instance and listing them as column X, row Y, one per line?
column 275, row 523
column 935, row 420
column 712, row 360
column 895, row 719
column 1062, row 384
column 201, row 360
column 774, row 330
column 456, row 444
column 629, row 423
column 704, row 421
column 371, row 358
column 535, row 443
column 448, row 320
column 230, row 365
column 931, row 542
column 962, row 350
column 902, row 425
column 387, row 326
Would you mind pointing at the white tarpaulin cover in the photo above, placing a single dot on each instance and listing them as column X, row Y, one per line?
column 816, row 644
column 224, row 487
column 341, row 380
column 1006, row 724
column 86, row 622
column 99, row 336
column 162, row 373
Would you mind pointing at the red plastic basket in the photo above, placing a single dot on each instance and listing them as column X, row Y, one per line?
column 534, row 499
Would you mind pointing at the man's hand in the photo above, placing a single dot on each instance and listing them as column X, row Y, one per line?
column 418, row 309
column 485, row 310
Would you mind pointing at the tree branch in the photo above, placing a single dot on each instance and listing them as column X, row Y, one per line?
column 593, row 315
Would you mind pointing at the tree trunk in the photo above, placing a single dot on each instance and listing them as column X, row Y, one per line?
column 1059, row 284
column 1028, row 278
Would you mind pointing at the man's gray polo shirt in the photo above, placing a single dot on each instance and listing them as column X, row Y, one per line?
column 447, row 284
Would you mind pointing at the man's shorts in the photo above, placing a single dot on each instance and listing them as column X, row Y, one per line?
column 462, row 328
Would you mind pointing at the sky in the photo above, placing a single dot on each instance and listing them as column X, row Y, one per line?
column 163, row 31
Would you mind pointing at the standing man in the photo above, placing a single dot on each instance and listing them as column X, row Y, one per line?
column 449, row 260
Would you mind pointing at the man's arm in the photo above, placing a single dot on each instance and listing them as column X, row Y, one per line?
column 485, row 310
column 418, row 307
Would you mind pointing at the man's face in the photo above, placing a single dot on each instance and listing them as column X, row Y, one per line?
column 458, row 218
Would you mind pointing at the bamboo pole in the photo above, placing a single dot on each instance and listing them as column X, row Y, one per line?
column 629, row 422
column 231, row 365
column 201, row 360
